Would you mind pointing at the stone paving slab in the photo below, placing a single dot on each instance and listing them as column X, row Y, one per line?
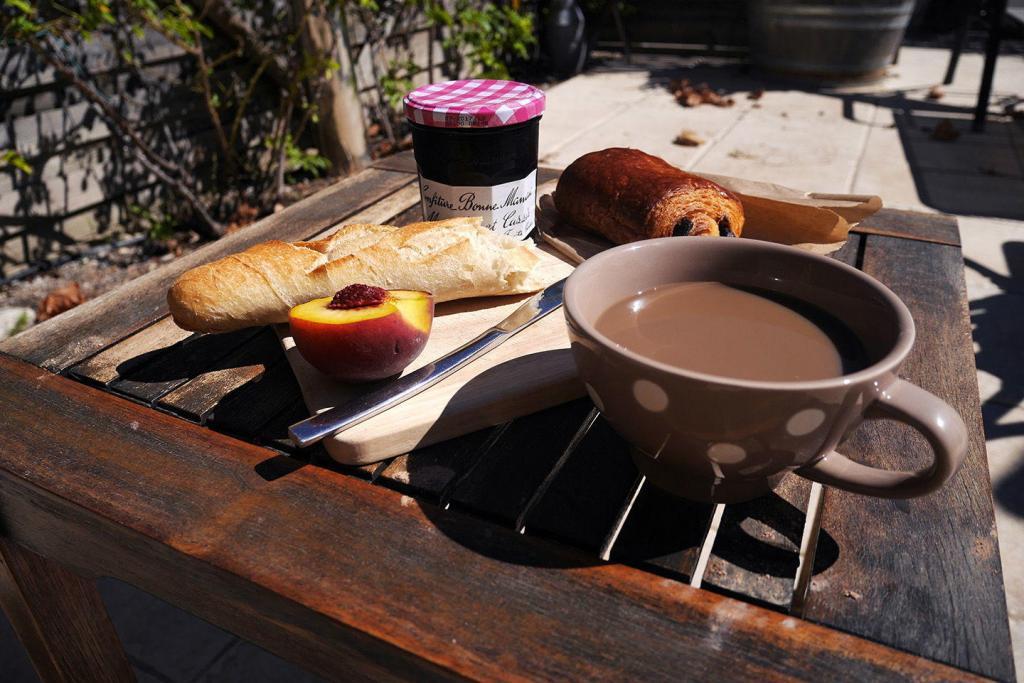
column 884, row 164
column 577, row 105
column 162, row 641
column 994, row 250
column 987, row 154
column 247, row 663
column 978, row 173
column 15, row 665
column 974, row 194
column 921, row 68
column 797, row 139
column 1006, row 462
column 653, row 131
column 998, row 322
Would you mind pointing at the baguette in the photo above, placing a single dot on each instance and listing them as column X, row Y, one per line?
column 452, row 259
column 627, row 195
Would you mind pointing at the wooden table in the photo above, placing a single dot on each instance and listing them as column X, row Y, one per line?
column 131, row 449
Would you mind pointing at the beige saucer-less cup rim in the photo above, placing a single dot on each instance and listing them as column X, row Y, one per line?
column 902, row 400
column 888, row 363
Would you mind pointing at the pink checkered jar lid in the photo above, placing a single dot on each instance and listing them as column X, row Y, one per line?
column 476, row 103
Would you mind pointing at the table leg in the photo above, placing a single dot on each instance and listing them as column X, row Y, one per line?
column 60, row 619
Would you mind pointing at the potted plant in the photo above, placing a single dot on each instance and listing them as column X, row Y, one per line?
column 827, row 39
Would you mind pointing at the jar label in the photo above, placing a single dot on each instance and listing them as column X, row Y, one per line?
column 507, row 209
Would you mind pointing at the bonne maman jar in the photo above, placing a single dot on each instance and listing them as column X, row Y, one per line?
column 475, row 143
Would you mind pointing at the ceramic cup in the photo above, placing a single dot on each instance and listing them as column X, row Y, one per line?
column 726, row 440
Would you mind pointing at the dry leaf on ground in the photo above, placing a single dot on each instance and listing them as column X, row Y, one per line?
column 59, row 300
column 383, row 149
column 688, row 138
column 740, row 154
column 245, row 214
column 690, row 95
column 945, row 131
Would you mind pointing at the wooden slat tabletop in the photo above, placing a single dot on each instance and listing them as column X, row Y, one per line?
column 487, row 556
column 955, row 521
column 354, row 580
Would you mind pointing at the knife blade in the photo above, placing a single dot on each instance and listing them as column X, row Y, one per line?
column 362, row 408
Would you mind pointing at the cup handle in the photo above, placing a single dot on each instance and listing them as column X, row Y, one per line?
column 926, row 413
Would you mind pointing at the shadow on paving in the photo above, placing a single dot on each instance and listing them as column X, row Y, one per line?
column 1009, row 490
column 978, row 174
column 165, row 644
column 998, row 322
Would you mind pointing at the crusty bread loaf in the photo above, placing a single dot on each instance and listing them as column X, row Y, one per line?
column 627, row 195
column 453, row 259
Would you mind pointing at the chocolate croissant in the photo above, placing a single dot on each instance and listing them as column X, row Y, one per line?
column 627, row 195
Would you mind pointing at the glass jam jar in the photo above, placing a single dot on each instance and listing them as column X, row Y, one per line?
column 475, row 143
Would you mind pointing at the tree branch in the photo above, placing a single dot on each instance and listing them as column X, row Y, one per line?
column 237, row 28
column 211, row 109
column 244, row 103
column 150, row 160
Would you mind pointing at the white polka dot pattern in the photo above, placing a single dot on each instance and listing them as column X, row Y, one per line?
column 805, row 422
column 726, row 453
column 650, row 396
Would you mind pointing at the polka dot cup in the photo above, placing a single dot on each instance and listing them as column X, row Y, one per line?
column 726, row 440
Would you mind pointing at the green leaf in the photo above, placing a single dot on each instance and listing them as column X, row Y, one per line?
column 487, row 34
column 11, row 157
column 20, row 325
column 22, row 6
column 308, row 161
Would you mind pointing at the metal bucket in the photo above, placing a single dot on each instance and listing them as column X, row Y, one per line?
column 853, row 39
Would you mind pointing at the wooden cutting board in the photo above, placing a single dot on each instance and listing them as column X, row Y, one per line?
column 534, row 370
column 531, row 371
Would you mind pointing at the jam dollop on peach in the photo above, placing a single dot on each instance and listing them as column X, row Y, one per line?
column 362, row 333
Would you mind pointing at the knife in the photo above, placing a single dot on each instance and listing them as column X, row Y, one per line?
column 362, row 408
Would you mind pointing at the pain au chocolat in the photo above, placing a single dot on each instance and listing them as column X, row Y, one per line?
column 627, row 195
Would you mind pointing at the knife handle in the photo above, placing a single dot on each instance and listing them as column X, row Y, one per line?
column 361, row 408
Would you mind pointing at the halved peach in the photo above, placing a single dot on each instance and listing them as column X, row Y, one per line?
column 377, row 337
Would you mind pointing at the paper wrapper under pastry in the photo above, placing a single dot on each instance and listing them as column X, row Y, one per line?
column 813, row 221
column 627, row 195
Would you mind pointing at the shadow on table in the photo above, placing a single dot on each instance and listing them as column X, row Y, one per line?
column 998, row 322
column 190, row 357
column 763, row 537
column 581, row 502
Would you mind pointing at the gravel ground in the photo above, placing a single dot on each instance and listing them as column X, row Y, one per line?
column 110, row 267
column 95, row 274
